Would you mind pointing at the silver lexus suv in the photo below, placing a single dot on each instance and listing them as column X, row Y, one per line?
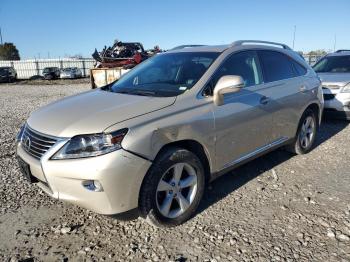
column 150, row 142
column 334, row 72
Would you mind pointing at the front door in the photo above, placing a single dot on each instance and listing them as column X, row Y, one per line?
column 243, row 122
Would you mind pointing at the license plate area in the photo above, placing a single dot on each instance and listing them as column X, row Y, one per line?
column 25, row 169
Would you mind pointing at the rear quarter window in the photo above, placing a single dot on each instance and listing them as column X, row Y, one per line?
column 276, row 66
column 298, row 68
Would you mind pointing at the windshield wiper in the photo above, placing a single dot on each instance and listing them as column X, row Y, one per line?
column 144, row 93
column 137, row 92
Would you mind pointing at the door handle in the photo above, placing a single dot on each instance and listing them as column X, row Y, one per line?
column 303, row 89
column 264, row 100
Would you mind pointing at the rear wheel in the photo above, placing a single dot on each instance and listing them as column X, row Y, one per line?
column 306, row 134
column 172, row 189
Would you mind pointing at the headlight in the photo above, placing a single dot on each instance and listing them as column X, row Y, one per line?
column 20, row 133
column 91, row 145
column 346, row 89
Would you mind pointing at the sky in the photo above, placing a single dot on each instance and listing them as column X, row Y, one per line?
column 43, row 28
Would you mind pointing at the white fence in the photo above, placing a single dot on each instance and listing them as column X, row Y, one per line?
column 28, row 68
column 312, row 59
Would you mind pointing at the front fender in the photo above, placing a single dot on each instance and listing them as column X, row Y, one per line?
column 148, row 134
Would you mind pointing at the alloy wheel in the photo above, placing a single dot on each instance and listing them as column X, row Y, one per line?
column 307, row 132
column 176, row 190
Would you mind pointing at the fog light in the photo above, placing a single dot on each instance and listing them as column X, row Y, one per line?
column 93, row 185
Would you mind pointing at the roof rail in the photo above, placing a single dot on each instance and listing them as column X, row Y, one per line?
column 241, row 42
column 185, row 46
column 342, row 50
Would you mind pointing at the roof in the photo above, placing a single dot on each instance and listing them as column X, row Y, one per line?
column 222, row 48
column 340, row 53
column 205, row 48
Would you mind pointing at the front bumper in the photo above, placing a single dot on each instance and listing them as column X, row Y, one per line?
column 120, row 173
column 4, row 79
column 337, row 104
column 67, row 76
column 332, row 113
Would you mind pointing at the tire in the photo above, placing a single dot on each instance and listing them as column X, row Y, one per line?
column 299, row 145
column 159, row 188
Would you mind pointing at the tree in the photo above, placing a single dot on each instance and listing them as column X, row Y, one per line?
column 320, row 52
column 8, row 51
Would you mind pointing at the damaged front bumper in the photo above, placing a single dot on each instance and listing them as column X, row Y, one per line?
column 119, row 174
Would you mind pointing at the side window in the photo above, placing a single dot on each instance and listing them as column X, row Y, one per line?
column 244, row 64
column 276, row 65
column 298, row 68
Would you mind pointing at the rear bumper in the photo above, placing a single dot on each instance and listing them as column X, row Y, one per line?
column 120, row 173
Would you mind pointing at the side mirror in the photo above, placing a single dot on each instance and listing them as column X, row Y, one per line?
column 227, row 84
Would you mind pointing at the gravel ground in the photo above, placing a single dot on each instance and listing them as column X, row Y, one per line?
column 277, row 208
column 84, row 80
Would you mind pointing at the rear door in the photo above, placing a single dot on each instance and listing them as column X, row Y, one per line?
column 243, row 122
column 288, row 91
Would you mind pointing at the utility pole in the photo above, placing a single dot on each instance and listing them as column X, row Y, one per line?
column 295, row 29
column 335, row 42
column 1, row 37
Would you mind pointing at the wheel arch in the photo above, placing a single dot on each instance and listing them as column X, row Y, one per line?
column 195, row 147
column 317, row 110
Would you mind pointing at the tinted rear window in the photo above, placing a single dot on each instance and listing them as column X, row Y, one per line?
column 277, row 66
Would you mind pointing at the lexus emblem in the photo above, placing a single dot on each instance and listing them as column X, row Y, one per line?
column 27, row 142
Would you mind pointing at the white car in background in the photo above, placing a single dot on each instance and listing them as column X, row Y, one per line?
column 71, row 72
column 334, row 72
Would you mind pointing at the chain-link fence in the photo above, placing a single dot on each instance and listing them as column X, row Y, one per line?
column 28, row 68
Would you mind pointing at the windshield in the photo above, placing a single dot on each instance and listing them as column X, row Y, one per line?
column 333, row 64
column 67, row 69
column 165, row 74
column 47, row 70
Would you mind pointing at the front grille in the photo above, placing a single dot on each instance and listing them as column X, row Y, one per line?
column 328, row 96
column 35, row 143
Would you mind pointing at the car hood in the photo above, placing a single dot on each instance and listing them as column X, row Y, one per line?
column 339, row 79
column 92, row 112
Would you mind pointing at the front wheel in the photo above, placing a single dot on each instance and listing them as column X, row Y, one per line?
column 172, row 189
column 306, row 134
